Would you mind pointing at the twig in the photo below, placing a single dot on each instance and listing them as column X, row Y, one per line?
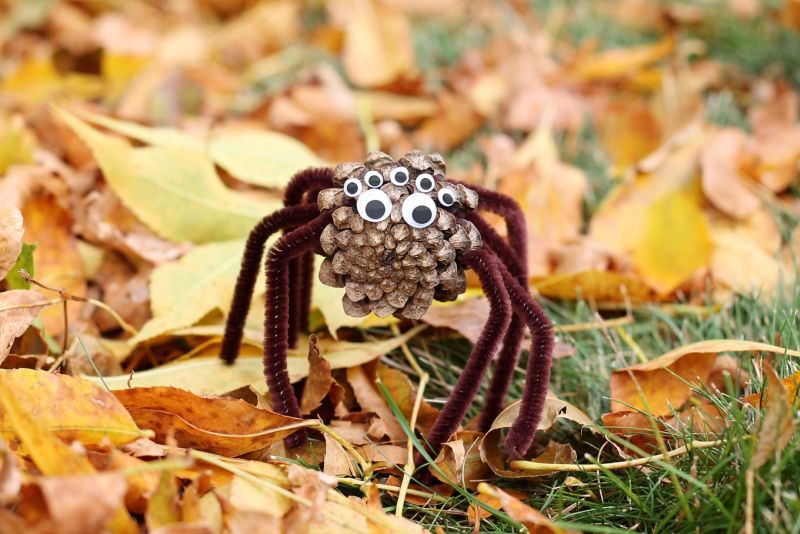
column 408, row 469
column 593, row 325
column 389, row 487
column 524, row 465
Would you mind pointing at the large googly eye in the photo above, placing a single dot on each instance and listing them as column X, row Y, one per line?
column 399, row 176
column 425, row 183
column 447, row 197
column 352, row 187
column 418, row 210
column 374, row 205
column 374, row 179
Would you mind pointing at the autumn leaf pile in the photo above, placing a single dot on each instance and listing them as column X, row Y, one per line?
column 141, row 141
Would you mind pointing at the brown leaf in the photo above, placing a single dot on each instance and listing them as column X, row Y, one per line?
column 724, row 183
column 404, row 394
column 216, row 424
column 10, row 478
column 777, row 426
column 535, row 521
column 11, row 231
column 620, row 62
column 362, row 380
column 18, row 309
column 81, row 503
column 654, row 387
column 460, row 460
column 602, row 286
column 493, row 453
column 337, row 460
column 467, row 316
column 319, row 383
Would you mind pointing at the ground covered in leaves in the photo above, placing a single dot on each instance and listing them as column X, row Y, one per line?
column 654, row 147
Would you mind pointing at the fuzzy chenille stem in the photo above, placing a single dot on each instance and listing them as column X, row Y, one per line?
column 512, row 214
column 276, row 316
column 505, row 365
column 537, row 374
column 486, row 266
column 251, row 260
column 304, row 187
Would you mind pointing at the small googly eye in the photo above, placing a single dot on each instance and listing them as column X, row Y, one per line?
column 374, row 205
column 399, row 176
column 352, row 187
column 425, row 183
column 418, row 210
column 374, row 179
column 447, row 197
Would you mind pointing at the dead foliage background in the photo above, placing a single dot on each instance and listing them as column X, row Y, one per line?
column 653, row 145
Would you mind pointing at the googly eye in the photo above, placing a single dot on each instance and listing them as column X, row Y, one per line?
column 374, row 179
column 399, row 176
column 374, row 205
column 447, row 197
column 353, row 187
column 425, row 183
column 418, row 210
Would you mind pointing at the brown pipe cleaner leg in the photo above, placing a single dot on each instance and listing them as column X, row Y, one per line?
column 303, row 187
column 276, row 317
column 251, row 259
column 485, row 265
column 505, row 365
column 537, row 374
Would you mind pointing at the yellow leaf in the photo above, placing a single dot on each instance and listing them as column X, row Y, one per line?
column 118, row 72
column 36, row 80
column 255, row 156
column 184, row 291
column 212, row 376
column 16, row 142
column 674, row 241
column 600, row 286
column 69, row 407
column 174, row 190
column 619, row 62
column 377, row 49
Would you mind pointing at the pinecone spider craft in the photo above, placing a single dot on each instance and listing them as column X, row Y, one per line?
column 397, row 235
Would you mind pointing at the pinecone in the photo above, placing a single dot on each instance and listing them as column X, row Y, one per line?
column 395, row 243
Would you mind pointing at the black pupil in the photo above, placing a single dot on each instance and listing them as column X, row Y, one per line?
column 426, row 184
column 352, row 188
column 375, row 209
column 401, row 177
column 374, row 181
column 447, row 198
column 421, row 214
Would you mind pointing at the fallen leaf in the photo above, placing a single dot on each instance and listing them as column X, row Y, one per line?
column 213, row 377
column 337, row 461
column 82, row 503
column 493, row 453
column 16, row 144
column 377, row 48
column 18, row 309
column 71, row 408
column 619, row 62
column 10, row 476
column 319, row 382
column 252, row 155
column 790, row 385
column 724, row 184
column 404, row 393
column 664, row 384
column 58, row 263
column 600, row 286
column 777, row 426
column 11, row 231
column 460, row 460
column 467, row 316
column 153, row 181
column 535, row 521
column 163, row 507
column 184, row 291
column 215, row 424
column 362, row 380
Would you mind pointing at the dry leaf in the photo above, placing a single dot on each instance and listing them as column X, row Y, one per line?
column 362, row 380
column 724, row 184
column 777, row 426
column 493, row 453
column 68, row 407
column 11, row 231
column 18, row 309
column 534, row 521
column 319, row 382
column 216, row 424
column 460, row 460
column 619, row 62
column 664, row 383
